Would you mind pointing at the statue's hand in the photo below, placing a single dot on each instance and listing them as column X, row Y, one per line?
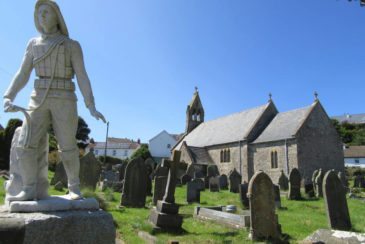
column 96, row 114
column 9, row 106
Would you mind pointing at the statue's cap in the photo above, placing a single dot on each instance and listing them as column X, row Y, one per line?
column 61, row 22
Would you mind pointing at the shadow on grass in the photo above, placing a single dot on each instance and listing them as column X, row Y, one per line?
column 176, row 232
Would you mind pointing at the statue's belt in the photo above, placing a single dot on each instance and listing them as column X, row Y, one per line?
column 60, row 84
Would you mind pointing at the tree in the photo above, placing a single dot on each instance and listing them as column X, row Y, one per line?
column 351, row 134
column 142, row 151
column 6, row 137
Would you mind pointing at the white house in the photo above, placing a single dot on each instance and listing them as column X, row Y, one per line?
column 121, row 148
column 354, row 156
column 160, row 146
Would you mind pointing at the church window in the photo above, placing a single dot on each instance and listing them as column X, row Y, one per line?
column 228, row 155
column 274, row 159
column 225, row 156
column 222, row 156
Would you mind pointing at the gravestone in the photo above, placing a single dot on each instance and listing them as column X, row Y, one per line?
column 212, row 170
column 90, row 169
column 214, row 184
column 357, row 180
column 243, row 195
column 193, row 191
column 201, row 184
column 343, row 179
column 264, row 221
column 150, row 163
column 277, row 196
column 283, row 182
column 314, row 176
column 235, row 180
column 336, row 204
column 161, row 174
column 199, row 174
column 294, row 185
column 206, row 182
column 318, row 182
column 166, row 214
column 59, row 175
column 223, row 182
column 121, row 169
column 135, row 184
column 185, row 179
column 309, row 190
column 149, row 167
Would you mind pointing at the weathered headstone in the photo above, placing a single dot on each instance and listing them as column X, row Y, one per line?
column 149, row 167
column 294, row 185
column 283, row 182
column 199, row 174
column 318, row 182
column 277, row 196
column 135, row 184
column 185, row 179
column 150, row 163
column 214, row 184
column 165, row 214
column 336, row 204
column 223, row 182
column 264, row 221
column 121, row 169
column 193, row 191
column 59, row 175
column 206, row 182
column 309, row 189
column 161, row 174
column 314, row 176
column 201, row 184
column 235, row 180
column 90, row 169
column 212, row 170
column 357, row 180
column 243, row 195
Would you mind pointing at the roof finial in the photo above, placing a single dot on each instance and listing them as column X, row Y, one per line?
column 196, row 89
column 315, row 96
column 270, row 97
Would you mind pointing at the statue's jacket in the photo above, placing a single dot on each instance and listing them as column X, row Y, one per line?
column 51, row 58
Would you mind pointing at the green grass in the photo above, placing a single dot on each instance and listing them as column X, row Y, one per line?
column 298, row 219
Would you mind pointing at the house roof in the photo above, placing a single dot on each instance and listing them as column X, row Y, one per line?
column 176, row 137
column 231, row 128
column 118, row 143
column 200, row 155
column 354, row 152
column 284, row 125
column 350, row 118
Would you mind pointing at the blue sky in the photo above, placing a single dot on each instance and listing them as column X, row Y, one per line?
column 145, row 57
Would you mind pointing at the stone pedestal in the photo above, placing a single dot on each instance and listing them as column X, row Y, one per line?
column 57, row 227
column 165, row 215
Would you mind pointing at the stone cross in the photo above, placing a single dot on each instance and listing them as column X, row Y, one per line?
column 172, row 177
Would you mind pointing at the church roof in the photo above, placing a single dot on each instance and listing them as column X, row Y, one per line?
column 200, row 155
column 285, row 125
column 231, row 128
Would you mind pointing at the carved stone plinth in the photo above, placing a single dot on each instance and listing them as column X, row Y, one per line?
column 165, row 221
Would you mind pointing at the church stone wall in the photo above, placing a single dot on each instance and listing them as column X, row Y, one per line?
column 319, row 145
column 226, row 167
column 260, row 157
column 185, row 157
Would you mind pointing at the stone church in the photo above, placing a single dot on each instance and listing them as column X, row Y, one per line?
column 262, row 138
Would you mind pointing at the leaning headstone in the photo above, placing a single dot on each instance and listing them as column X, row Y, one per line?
column 166, row 214
column 318, row 182
column 235, row 180
column 336, row 204
column 212, row 170
column 243, row 195
column 283, row 182
column 193, row 191
column 214, row 184
column 264, row 221
column 59, row 175
column 294, row 185
column 135, row 184
column 277, row 196
column 223, row 182
column 185, row 179
column 90, row 169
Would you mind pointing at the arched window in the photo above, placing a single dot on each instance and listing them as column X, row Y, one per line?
column 274, row 159
column 222, row 156
column 228, row 155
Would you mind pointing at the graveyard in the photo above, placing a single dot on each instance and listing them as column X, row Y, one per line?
column 298, row 219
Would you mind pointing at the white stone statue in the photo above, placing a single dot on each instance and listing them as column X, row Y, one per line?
column 56, row 59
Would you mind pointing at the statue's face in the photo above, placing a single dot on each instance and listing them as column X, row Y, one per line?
column 47, row 18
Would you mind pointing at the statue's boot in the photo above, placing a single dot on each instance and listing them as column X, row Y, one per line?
column 71, row 163
column 28, row 168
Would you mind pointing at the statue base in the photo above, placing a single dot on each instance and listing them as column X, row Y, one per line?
column 53, row 203
column 165, row 216
column 57, row 227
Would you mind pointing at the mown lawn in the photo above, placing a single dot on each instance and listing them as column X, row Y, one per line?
column 298, row 219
